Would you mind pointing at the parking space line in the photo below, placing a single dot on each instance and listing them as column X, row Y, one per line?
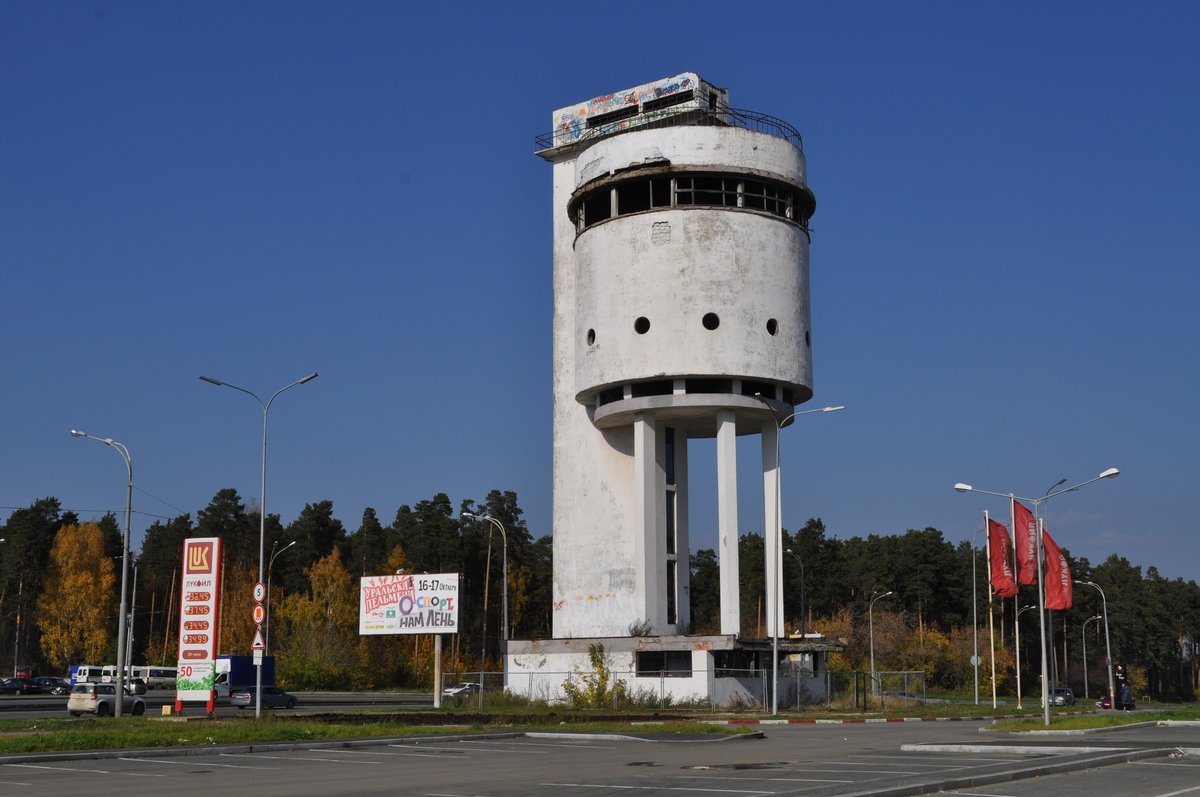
column 192, row 763
column 298, row 758
column 13, row 783
column 654, row 788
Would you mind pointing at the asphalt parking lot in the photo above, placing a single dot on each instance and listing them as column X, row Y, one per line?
column 815, row 761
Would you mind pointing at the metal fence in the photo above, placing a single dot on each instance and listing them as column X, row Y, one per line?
column 723, row 690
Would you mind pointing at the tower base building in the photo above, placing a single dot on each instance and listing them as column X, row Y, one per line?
column 681, row 311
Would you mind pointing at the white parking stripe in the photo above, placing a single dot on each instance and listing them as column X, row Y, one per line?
column 192, row 763
column 655, row 788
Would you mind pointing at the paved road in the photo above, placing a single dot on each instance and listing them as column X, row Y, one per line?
column 813, row 761
column 32, row 706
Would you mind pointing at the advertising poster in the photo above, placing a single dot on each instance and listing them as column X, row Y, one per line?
column 408, row 604
column 198, row 614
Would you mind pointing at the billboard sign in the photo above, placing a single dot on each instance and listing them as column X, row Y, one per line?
column 198, row 614
column 408, row 604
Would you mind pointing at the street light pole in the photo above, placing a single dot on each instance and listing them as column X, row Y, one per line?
column 975, row 619
column 124, row 452
column 800, row 562
column 1112, row 687
column 1051, row 493
column 774, row 562
column 1017, row 648
column 503, row 566
column 1085, row 670
column 262, row 512
column 267, row 618
column 871, row 626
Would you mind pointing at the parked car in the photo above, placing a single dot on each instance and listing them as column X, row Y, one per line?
column 1062, row 696
column 53, row 684
column 272, row 697
column 1124, row 703
column 462, row 689
column 101, row 700
column 905, row 696
column 19, row 686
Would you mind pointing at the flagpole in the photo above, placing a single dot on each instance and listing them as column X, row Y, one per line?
column 987, row 533
column 1012, row 510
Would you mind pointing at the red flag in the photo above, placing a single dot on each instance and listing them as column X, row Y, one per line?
column 1058, row 575
column 1025, row 538
column 1003, row 584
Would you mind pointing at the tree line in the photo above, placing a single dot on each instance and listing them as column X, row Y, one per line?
column 59, row 579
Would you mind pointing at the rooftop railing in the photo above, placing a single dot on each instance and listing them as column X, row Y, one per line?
column 578, row 134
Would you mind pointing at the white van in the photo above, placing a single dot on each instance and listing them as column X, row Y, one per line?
column 156, row 677
column 85, row 674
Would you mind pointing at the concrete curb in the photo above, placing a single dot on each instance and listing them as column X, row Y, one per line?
column 862, row 720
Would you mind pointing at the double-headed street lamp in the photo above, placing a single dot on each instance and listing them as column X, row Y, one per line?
column 262, row 513
column 121, row 661
column 871, row 627
column 504, row 565
column 774, row 562
column 1037, row 504
column 1112, row 687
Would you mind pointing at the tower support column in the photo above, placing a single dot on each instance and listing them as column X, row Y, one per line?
column 772, row 544
column 727, row 521
column 651, row 547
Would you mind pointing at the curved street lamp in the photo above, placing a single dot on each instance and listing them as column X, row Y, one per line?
column 504, row 566
column 1112, row 687
column 871, row 626
column 267, row 618
column 121, row 662
column 800, row 562
column 1017, row 648
column 262, row 512
column 1037, row 503
column 774, row 562
column 1084, row 637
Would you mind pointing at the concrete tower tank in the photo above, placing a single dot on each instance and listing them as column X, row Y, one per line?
column 681, row 311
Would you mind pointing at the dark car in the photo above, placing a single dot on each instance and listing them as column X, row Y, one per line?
column 20, row 686
column 1124, row 700
column 53, row 684
column 1062, row 696
column 272, row 697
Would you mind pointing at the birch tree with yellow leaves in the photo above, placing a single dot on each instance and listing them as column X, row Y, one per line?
column 76, row 611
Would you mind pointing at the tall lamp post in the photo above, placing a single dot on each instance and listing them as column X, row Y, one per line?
column 267, row 618
column 975, row 619
column 774, row 562
column 1037, row 502
column 124, row 452
column 871, row 627
column 1084, row 637
column 262, row 512
column 1017, row 648
column 800, row 562
column 504, row 565
column 1112, row 687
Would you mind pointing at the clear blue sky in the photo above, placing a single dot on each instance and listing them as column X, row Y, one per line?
column 1004, row 257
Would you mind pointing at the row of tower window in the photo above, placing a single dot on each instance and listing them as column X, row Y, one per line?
column 689, row 190
column 710, row 321
column 694, row 385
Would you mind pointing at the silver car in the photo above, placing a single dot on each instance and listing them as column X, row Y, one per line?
column 101, row 699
